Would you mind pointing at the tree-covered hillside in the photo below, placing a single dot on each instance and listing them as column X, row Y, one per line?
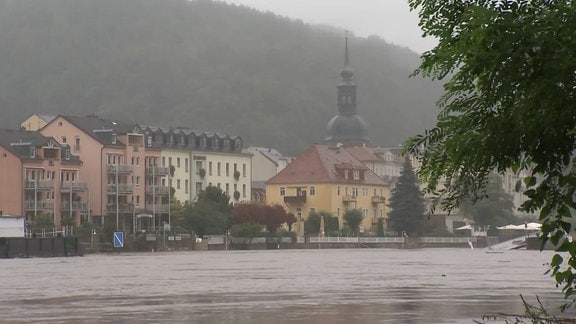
column 202, row 64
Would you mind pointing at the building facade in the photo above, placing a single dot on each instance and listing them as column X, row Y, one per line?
column 328, row 178
column 40, row 177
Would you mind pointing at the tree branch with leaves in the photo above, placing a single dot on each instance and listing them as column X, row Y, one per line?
column 510, row 93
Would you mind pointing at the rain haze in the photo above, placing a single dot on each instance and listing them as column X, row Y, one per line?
column 390, row 20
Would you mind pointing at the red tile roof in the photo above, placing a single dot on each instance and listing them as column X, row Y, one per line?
column 318, row 164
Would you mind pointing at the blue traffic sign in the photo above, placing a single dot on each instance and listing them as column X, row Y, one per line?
column 118, row 239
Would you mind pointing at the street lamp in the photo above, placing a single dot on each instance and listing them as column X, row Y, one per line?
column 92, row 239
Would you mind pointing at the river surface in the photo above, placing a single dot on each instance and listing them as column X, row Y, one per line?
column 275, row 286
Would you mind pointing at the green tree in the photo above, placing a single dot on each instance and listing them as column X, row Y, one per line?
column 510, row 82
column 352, row 219
column 68, row 221
column 312, row 223
column 43, row 221
column 380, row 227
column 249, row 230
column 210, row 214
column 406, row 203
column 495, row 209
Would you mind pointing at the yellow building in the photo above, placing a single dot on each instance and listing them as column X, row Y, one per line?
column 328, row 178
column 36, row 121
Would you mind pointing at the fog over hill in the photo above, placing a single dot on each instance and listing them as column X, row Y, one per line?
column 202, row 64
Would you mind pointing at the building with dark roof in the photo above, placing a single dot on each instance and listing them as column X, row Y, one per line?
column 347, row 127
column 39, row 176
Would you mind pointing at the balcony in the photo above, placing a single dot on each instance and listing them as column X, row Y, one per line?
column 300, row 198
column 38, row 205
column 122, row 208
column 348, row 199
column 120, row 168
column 157, row 171
column 120, row 189
column 157, row 190
column 40, row 185
column 378, row 200
column 160, row 208
column 68, row 186
column 76, row 206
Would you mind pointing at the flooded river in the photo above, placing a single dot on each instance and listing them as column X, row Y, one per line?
column 275, row 286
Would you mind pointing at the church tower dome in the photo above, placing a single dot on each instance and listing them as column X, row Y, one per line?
column 347, row 127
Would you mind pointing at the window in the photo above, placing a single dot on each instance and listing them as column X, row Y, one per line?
column 244, row 170
column 178, row 184
column 235, row 167
column 198, row 165
column 163, row 161
column 365, row 192
column 186, row 165
column 312, row 191
column 338, row 191
column 227, row 188
column 32, row 152
column 209, row 168
column 244, row 190
column 63, row 139
column 76, row 144
column 355, row 192
column 364, row 213
column 312, row 209
column 178, row 162
column 186, row 188
column 137, row 181
column 169, row 161
column 218, row 169
column 282, row 191
column 227, row 169
column 356, row 174
column 199, row 187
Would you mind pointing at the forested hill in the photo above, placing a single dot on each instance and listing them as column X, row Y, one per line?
column 201, row 64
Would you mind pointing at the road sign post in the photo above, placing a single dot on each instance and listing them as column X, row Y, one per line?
column 118, row 239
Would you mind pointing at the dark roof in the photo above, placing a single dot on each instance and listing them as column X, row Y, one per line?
column 319, row 164
column 20, row 142
column 347, row 129
column 101, row 129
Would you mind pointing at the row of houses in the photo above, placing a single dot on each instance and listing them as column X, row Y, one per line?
column 90, row 169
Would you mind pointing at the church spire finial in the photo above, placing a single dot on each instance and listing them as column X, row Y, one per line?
column 347, row 71
column 346, row 58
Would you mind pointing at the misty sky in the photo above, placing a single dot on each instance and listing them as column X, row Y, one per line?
column 392, row 20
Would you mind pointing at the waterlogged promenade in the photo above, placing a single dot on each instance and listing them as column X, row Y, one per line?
column 275, row 286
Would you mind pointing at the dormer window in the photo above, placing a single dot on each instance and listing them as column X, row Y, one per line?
column 356, row 174
column 113, row 138
column 32, row 152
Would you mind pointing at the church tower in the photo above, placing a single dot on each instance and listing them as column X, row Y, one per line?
column 347, row 127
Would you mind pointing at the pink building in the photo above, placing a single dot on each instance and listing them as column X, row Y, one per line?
column 38, row 176
column 123, row 175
